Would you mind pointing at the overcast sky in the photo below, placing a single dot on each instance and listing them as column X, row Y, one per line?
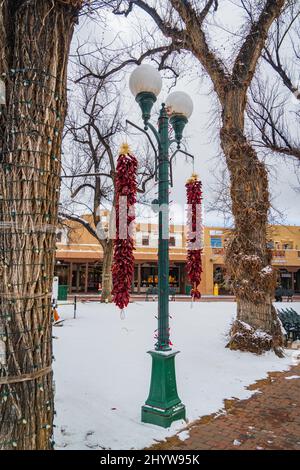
column 202, row 130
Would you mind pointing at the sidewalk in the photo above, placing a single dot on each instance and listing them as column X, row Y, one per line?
column 268, row 420
column 93, row 297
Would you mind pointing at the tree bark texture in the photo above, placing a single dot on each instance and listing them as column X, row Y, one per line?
column 35, row 40
column 248, row 259
column 106, row 271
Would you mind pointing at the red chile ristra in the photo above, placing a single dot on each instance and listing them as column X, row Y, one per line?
column 194, row 263
column 123, row 262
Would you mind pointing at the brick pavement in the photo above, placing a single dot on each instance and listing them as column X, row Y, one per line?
column 270, row 419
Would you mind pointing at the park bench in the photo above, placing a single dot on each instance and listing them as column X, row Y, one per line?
column 281, row 293
column 172, row 293
column 290, row 320
column 153, row 292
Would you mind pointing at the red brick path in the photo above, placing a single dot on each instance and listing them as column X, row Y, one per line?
column 269, row 419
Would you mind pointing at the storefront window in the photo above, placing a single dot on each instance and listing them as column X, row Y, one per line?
column 94, row 277
column 285, row 279
column 174, row 276
column 136, row 278
column 149, row 277
column 61, row 270
column 222, row 280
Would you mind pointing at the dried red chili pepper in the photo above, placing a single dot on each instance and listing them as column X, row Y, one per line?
column 194, row 261
column 123, row 262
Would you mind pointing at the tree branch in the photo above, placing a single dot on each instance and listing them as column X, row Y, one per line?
column 198, row 45
column 246, row 60
column 84, row 223
column 150, row 52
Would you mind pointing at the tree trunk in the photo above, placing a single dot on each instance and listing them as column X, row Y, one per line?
column 248, row 260
column 35, row 40
column 106, row 272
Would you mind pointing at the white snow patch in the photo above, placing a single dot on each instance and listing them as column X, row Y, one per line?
column 102, row 371
column 245, row 325
column 262, row 334
column 250, row 257
column 184, row 435
column 292, row 377
column 267, row 269
column 236, row 442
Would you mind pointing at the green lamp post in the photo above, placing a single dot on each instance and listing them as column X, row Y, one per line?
column 163, row 405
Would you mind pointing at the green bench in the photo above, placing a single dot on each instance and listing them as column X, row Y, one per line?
column 290, row 320
column 153, row 292
column 280, row 293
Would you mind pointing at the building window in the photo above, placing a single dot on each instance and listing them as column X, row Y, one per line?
column 172, row 241
column 270, row 245
column 287, row 245
column 145, row 241
column 216, row 242
column 58, row 237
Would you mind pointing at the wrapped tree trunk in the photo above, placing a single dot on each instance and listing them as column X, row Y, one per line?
column 248, row 259
column 35, row 40
column 106, row 295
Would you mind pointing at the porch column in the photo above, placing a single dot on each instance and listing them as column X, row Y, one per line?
column 77, row 277
column 86, row 277
column 139, row 277
column 293, row 282
column 70, row 278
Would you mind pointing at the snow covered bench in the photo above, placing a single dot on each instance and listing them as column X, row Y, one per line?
column 280, row 293
column 153, row 292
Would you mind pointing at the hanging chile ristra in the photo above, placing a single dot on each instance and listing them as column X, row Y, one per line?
column 123, row 262
column 194, row 235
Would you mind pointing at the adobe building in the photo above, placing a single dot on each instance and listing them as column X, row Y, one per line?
column 79, row 258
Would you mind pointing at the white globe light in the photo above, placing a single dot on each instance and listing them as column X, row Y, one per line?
column 179, row 102
column 145, row 78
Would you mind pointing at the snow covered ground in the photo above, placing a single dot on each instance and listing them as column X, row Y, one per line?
column 102, row 370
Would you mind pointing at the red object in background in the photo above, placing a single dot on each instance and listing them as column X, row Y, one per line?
column 194, row 261
column 123, row 262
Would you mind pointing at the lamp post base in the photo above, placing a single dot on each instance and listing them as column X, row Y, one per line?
column 163, row 405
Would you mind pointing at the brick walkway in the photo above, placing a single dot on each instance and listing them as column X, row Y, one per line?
column 268, row 420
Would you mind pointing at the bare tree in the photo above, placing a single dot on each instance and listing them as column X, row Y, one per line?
column 274, row 106
column 93, row 132
column 247, row 258
column 35, row 39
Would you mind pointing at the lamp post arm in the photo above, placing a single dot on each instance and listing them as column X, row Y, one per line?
column 151, row 143
column 146, row 133
column 154, row 131
column 171, row 168
column 173, row 155
column 186, row 153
